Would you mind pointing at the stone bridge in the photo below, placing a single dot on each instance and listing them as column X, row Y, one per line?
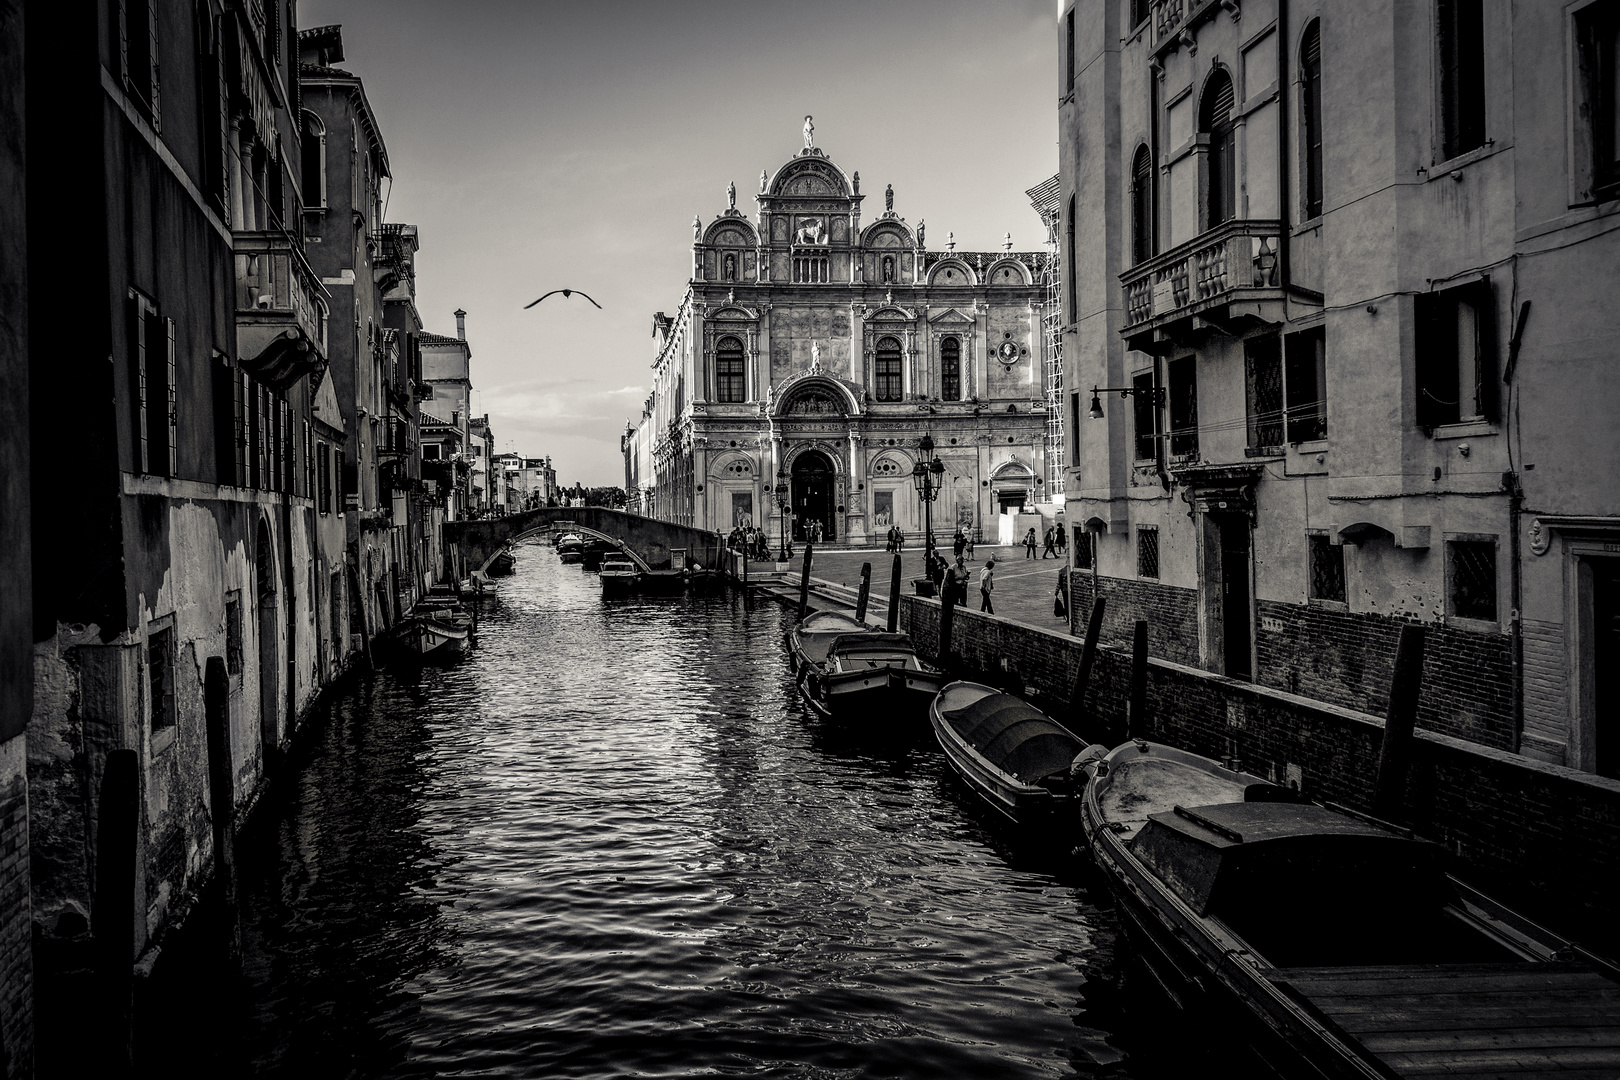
column 650, row 543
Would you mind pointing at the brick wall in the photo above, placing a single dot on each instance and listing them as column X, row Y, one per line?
column 16, row 916
column 1171, row 612
column 1345, row 657
column 1540, row 835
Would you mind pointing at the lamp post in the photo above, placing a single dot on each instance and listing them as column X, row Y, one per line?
column 784, row 500
column 928, row 475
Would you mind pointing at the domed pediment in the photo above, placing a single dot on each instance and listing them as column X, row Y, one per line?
column 810, row 177
column 817, row 395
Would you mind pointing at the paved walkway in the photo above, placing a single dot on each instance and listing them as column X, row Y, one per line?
column 1023, row 593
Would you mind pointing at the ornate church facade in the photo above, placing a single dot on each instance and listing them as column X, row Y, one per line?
column 812, row 353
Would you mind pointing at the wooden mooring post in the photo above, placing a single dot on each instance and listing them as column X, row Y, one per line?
column 947, row 620
column 1136, row 719
column 1395, row 754
column 222, row 798
column 894, row 596
column 866, row 592
column 1088, row 660
column 804, row 581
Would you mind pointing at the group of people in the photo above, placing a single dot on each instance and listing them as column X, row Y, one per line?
column 751, row 541
column 895, row 540
column 1056, row 545
column 951, row 582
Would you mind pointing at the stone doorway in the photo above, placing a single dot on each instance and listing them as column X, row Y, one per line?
column 814, row 482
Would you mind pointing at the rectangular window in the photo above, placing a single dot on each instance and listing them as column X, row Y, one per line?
column 1146, row 417
column 1068, row 55
column 323, row 481
column 233, row 633
column 137, row 29
column 244, row 427
column 1310, row 108
column 1262, row 358
column 139, row 389
column 170, row 404
column 1327, row 569
column 1597, row 135
column 728, row 376
column 1305, row 385
column 309, row 461
column 1147, row 551
column 1455, row 352
column 160, row 678
column 888, row 377
column 1082, row 548
column 1460, row 41
column 1471, row 576
column 1184, row 407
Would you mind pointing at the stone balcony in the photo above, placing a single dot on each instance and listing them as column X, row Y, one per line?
column 280, row 311
column 1214, row 281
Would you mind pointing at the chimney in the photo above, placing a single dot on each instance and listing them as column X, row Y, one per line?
column 461, row 324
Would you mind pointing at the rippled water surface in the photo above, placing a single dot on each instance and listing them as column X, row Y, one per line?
column 612, row 843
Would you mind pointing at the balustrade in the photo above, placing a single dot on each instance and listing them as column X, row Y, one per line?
column 1214, row 266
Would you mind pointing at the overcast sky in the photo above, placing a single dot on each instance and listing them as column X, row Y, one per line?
column 550, row 144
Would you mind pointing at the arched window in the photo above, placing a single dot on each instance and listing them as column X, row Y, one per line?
column 950, row 369
column 1215, row 121
column 1310, row 115
column 888, row 370
column 729, row 383
column 313, row 161
column 1069, row 263
column 1142, row 244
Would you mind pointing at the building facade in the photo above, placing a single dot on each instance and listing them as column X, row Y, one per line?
column 1309, row 399
column 814, row 350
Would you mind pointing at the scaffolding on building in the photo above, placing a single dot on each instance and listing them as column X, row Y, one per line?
column 1046, row 199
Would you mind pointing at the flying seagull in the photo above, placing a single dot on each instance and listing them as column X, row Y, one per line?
column 565, row 292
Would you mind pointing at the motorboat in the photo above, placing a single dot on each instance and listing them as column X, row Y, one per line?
column 1335, row 945
column 571, row 548
column 620, row 576
column 1017, row 759
column 848, row 670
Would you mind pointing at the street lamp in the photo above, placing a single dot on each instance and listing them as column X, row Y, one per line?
column 928, row 475
column 784, row 500
column 1154, row 394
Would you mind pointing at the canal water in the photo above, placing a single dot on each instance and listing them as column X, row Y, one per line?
column 612, row 843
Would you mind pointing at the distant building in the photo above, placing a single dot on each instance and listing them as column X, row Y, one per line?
column 813, row 351
column 447, row 369
column 1349, row 269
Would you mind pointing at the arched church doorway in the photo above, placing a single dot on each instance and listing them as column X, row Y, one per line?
column 813, row 482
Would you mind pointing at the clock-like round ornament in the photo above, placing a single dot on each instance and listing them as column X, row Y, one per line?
column 1007, row 353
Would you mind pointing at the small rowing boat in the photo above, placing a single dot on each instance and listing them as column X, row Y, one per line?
column 847, row 670
column 1014, row 757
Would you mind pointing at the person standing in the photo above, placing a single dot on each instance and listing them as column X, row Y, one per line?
column 1060, row 603
column 958, row 544
column 1029, row 543
column 987, row 585
column 960, row 576
column 1062, row 540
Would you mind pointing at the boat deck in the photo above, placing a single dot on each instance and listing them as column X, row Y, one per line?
column 1470, row 1021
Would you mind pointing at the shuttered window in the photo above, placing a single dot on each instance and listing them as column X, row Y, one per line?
column 1455, row 352
column 1142, row 217
column 1310, row 116
column 1216, row 109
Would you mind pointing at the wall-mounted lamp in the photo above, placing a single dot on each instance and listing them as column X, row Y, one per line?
column 1155, row 395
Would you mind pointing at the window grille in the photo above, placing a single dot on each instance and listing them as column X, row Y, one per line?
column 1147, row 551
column 160, row 678
column 1082, row 548
column 1473, row 578
column 888, row 370
column 1263, row 359
column 1327, row 569
column 728, row 371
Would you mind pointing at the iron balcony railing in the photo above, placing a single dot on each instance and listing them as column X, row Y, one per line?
column 1214, row 267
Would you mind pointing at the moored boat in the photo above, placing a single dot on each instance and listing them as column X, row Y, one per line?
column 1334, row 944
column 503, row 562
column 571, row 548
column 847, row 670
column 1014, row 757
column 620, row 576
column 437, row 629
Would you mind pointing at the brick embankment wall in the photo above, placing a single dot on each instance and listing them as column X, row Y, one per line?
column 1542, row 836
column 1171, row 612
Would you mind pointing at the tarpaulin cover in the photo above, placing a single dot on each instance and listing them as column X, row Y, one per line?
column 1016, row 737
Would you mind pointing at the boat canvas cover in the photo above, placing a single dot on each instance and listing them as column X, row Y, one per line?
column 1016, row 737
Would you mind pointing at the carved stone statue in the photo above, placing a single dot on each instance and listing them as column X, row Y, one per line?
column 697, row 227
column 1006, row 241
column 950, row 241
column 922, row 228
column 857, row 182
column 731, row 196
column 815, row 357
column 809, row 132
column 888, row 199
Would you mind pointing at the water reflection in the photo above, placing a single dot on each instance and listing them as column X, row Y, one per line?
column 612, row 843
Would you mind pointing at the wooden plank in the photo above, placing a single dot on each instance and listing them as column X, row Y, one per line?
column 1491, row 1039
column 1549, row 1060
column 1463, row 1006
column 1425, row 971
column 1588, row 984
column 1525, row 1015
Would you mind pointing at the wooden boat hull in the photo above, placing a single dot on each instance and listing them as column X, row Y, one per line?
column 663, row 582
column 430, row 639
column 620, row 582
column 884, row 676
column 1020, row 803
column 571, row 556
column 878, row 692
column 502, row 564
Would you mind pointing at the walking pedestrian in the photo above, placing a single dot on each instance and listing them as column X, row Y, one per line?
column 1029, row 543
column 958, row 543
column 969, row 548
column 1051, row 539
column 1060, row 603
column 1062, row 540
column 987, row 585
